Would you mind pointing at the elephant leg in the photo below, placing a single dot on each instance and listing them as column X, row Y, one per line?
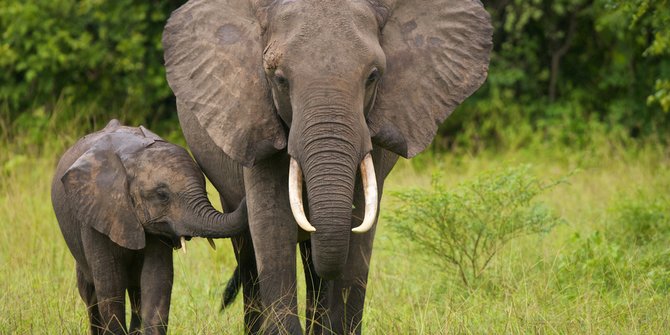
column 111, row 305
column 274, row 234
column 109, row 272
column 246, row 260
column 87, row 293
column 135, row 297
column 156, row 285
column 315, row 308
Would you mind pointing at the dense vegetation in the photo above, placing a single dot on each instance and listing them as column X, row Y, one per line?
column 562, row 67
column 106, row 54
column 558, row 68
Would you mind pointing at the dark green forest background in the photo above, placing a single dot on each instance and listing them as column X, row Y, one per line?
column 560, row 71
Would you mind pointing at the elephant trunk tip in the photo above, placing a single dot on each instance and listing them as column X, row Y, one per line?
column 329, row 272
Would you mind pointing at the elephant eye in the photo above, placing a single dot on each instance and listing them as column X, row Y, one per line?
column 280, row 79
column 162, row 196
column 372, row 77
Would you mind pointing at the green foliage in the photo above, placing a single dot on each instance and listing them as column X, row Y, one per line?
column 560, row 68
column 651, row 20
column 467, row 226
column 83, row 52
column 592, row 258
column 662, row 95
column 641, row 219
column 632, row 245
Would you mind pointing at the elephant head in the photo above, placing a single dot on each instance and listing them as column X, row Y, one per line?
column 130, row 182
column 325, row 80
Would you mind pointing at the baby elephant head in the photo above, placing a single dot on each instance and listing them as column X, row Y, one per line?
column 126, row 185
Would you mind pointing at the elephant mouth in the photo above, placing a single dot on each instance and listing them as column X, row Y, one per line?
column 369, row 187
column 180, row 243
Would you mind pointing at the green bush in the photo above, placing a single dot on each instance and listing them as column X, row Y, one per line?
column 83, row 52
column 464, row 228
column 561, row 70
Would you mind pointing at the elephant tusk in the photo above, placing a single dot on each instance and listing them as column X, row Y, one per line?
column 295, row 196
column 211, row 243
column 371, row 196
column 183, row 243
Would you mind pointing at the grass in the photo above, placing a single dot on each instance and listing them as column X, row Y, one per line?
column 583, row 277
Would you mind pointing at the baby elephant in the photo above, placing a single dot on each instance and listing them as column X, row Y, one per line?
column 124, row 198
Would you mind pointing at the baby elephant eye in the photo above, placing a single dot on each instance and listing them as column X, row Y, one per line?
column 162, row 195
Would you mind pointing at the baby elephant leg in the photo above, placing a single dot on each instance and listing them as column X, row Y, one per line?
column 157, row 274
column 110, row 293
column 109, row 272
column 135, row 296
column 87, row 293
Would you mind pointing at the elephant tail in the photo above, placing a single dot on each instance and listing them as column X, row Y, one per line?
column 232, row 288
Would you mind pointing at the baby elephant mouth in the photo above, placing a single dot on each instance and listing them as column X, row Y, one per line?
column 181, row 244
column 163, row 228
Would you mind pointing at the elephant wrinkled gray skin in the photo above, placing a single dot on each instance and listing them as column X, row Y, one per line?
column 124, row 198
column 317, row 86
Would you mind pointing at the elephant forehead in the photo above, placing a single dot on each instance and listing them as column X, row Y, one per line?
column 323, row 37
column 151, row 176
column 304, row 23
column 167, row 163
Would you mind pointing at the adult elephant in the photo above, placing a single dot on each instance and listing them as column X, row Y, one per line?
column 324, row 87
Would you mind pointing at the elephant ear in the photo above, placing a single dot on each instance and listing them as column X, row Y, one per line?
column 97, row 189
column 213, row 57
column 437, row 54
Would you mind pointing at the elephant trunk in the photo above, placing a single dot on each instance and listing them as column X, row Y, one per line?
column 330, row 183
column 328, row 140
column 203, row 220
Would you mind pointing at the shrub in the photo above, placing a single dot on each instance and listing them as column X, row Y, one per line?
column 87, row 51
column 464, row 228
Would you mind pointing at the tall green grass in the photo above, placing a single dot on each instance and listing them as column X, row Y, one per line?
column 602, row 271
column 585, row 276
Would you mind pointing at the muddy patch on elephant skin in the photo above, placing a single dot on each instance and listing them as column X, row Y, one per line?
column 228, row 34
column 408, row 27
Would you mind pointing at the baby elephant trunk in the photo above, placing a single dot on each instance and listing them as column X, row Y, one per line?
column 203, row 220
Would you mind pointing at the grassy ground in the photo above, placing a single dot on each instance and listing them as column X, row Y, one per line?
column 602, row 271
